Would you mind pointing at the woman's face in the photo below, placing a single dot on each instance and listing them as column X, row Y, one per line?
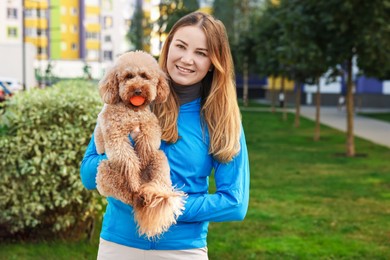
column 188, row 57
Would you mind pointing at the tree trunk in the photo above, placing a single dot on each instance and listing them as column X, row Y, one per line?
column 297, row 105
column 284, row 100
column 317, row 129
column 245, row 82
column 273, row 96
column 350, row 112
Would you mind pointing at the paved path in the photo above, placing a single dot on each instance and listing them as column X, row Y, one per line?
column 376, row 131
column 370, row 129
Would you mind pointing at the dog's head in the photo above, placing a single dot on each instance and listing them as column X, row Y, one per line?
column 135, row 75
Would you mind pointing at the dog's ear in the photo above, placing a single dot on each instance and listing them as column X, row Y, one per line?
column 109, row 87
column 162, row 89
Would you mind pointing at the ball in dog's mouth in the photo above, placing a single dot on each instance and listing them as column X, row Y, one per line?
column 137, row 100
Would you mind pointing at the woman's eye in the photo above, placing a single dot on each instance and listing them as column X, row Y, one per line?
column 202, row 54
column 180, row 46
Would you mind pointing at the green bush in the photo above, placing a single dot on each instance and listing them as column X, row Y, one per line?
column 44, row 135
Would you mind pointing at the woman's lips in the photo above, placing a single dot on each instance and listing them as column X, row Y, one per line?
column 182, row 69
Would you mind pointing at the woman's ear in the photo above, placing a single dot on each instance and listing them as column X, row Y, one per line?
column 108, row 87
column 162, row 89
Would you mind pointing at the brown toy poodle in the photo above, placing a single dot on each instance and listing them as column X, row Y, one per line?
column 136, row 171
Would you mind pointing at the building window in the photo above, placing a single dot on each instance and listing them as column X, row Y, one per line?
column 74, row 46
column 107, row 38
column 73, row 11
column 41, row 50
column 108, row 22
column 63, row 28
column 92, row 54
column 12, row 32
column 92, row 19
column 92, row 35
column 107, row 55
column 41, row 13
column 63, row 10
column 30, row 13
column 12, row 13
column 63, row 46
column 41, row 32
column 31, row 32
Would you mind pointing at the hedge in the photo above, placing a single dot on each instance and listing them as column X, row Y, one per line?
column 44, row 134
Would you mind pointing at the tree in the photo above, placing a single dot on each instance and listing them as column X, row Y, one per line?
column 273, row 47
column 327, row 34
column 266, row 37
column 359, row 29
column 307, row 47
column 171, row 11
column 140, row 28
column 225, row 10
column 238, row 17
column 243, row 47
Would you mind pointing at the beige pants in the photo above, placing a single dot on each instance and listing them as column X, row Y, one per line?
column 112, row 251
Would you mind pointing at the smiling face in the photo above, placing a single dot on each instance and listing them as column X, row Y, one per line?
column 188, row 57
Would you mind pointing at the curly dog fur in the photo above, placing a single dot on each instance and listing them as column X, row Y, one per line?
column 137, row 172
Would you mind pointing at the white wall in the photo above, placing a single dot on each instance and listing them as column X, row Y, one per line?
column 11, row 65
column 386, row 87
column 73, row 69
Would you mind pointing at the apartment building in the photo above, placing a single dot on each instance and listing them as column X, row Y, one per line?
column 10, row 18
column 88, row 30
column 68, row 34
column 36, row 25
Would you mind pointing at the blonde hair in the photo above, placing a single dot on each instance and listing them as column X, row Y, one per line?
column 219, row 99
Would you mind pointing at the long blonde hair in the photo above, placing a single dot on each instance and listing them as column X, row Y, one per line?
column 219, row 99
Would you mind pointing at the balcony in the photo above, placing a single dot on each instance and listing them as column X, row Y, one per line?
column 40, row 23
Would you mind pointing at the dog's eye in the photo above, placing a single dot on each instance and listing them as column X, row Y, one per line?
column 144, row 75
column 129, row 76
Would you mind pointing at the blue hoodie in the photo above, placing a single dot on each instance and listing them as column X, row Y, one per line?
column 191, row 166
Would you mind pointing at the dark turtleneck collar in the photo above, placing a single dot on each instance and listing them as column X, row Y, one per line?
column 187, row 94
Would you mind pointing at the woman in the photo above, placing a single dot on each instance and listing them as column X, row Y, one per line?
column 201, row 133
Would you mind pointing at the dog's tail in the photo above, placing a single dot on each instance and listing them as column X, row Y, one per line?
column 157, row 208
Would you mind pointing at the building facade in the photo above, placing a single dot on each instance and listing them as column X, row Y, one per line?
column 68, row 29
column 11, row 21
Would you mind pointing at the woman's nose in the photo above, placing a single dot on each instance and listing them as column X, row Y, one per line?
column 187, row 58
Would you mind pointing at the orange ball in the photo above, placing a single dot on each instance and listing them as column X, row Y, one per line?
column 137, row 100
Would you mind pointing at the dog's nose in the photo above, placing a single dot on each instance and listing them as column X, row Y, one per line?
column 138, row 92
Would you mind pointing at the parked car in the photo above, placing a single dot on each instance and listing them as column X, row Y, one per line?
column 8, row 86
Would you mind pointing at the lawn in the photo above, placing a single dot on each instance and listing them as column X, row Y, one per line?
column 380, row 116
column 306, row 201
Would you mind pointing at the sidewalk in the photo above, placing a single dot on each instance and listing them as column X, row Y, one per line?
column 370, row 129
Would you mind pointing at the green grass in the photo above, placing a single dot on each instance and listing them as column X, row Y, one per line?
column 253, row 103
column 380, row 116
column 50, row 250
column 306, row 201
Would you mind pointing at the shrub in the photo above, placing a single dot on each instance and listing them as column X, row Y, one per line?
column 44, row 135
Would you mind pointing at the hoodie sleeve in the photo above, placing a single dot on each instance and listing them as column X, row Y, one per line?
column 89, row 164
column 230, row 201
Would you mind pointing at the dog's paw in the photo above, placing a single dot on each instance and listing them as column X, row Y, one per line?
column 111, row 183
column 134, row 185
column 103, row 179
column 131, row 169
